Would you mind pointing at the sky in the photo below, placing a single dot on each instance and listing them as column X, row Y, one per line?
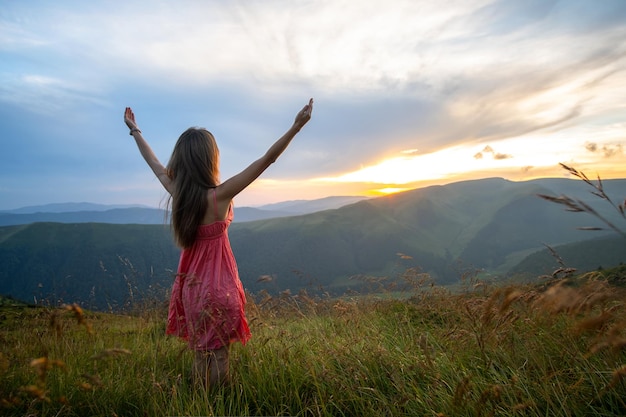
column 408, row 93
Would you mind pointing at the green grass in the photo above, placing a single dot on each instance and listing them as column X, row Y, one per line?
column 515, row 351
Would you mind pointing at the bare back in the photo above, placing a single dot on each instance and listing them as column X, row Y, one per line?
column 217, row 209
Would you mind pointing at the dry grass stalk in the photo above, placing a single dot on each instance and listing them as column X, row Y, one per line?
column 491, row 396
column 595, row 323
column 618, row 375
column 579, row 206
column 80, row 316
column 427, row 350
column 462, row 390
column 561, row 297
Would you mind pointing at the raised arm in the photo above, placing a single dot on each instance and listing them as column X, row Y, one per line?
column 233, row 186
column 147, row 153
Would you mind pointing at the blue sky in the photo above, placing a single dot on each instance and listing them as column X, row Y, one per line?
column 407, row 93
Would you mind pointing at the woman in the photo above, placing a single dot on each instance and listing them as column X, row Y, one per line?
column 207, row 303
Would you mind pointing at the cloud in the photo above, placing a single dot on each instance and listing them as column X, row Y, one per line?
column 501, row 156
column 495, row 155
column 47, row 95
column 608, row 150
column 611, row 150
column 404, row 76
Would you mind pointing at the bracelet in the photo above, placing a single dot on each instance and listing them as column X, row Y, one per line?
column 134, row 130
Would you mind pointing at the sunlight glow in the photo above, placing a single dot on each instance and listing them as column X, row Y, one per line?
column 390, row 190
column 522, row 155
column 597, row 150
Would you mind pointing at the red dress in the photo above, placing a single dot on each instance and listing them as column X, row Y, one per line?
column 207, row 303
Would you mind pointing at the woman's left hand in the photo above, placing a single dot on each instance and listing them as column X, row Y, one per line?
column 304, row 115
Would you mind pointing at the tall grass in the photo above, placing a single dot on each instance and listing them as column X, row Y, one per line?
column 551, row 350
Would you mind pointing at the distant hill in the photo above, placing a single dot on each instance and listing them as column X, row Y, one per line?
column 101, row 265
column 585, row 256
column 489, row 224
column 117, row 214
column 133, row 215
column 311, row 206
column 68, row 208
column 129, row 215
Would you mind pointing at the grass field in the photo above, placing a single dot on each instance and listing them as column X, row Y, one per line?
column 558, row 349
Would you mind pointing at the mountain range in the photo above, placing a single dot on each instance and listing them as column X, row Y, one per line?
column 491, row 226
column 137, row 214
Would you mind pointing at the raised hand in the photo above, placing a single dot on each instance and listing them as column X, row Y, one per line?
column 129, row 119
column 304, row 115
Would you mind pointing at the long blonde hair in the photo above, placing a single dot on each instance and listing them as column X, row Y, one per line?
column 193, row 169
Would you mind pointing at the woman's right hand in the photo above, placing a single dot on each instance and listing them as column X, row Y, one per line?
column 129, row 119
